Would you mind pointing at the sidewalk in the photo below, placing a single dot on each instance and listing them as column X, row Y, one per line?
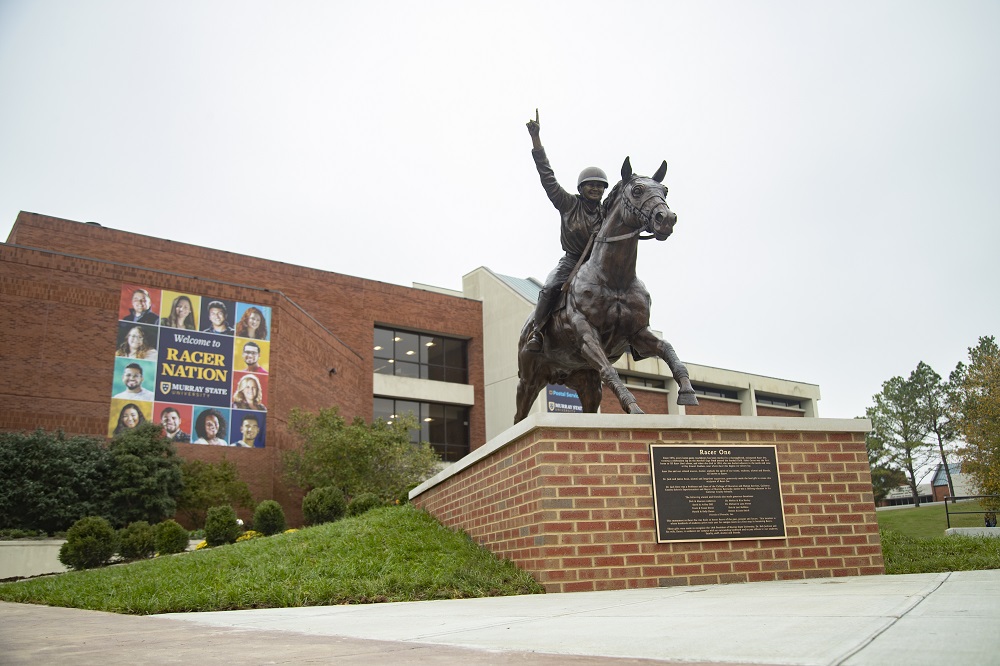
column 932, row 619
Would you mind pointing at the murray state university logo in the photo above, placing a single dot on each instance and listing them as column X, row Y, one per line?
column 164, row 388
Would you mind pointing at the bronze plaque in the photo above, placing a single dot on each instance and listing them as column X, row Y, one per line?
column 716, row 493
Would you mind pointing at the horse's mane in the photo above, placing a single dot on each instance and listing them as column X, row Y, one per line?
column 612, row 199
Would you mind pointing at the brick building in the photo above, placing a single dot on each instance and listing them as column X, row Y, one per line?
column 61, row 286
column 372, row 349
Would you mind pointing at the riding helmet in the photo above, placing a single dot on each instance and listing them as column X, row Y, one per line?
column 592, row 173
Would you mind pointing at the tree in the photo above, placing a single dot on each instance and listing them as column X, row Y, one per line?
column 49, row 481
column 884, row 476
column 145, row 476
column 357, row 457
column 933, row 401
column 977, row 409
column 899, row 429
column 210, row 484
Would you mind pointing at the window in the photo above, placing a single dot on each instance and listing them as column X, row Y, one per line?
column 444, row 427
column 712, row 392
column 421, row 356
column 635, row 380
column 778, row 402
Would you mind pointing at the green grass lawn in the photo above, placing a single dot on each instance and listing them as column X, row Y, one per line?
column 913, row 540
column 928, row 520
column 390, row 554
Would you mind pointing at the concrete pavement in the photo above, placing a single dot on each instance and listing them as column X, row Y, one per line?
column 932, row 619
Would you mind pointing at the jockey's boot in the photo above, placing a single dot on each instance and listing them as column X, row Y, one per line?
column 535, row 341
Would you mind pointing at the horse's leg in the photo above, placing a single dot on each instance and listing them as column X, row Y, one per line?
column 593, row 353
column 588, row 386
column 648, row 344
column 530, row 383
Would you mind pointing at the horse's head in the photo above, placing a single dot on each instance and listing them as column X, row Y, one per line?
column 645, row 200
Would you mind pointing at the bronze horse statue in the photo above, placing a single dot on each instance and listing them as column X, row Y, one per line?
column 606, row 309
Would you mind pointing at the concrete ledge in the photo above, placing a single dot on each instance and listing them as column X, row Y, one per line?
column 24, row 557
column 973, row 531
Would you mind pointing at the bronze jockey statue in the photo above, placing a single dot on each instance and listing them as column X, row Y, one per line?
column 580, row 218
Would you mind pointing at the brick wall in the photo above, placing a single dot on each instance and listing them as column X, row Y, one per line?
column 651, row 402
column 58, row 319
column 348, row 306
column 569, row 499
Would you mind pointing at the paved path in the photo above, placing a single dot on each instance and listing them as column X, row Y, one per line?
column 912, row 620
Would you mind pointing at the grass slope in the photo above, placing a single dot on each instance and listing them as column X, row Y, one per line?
column 390, row 554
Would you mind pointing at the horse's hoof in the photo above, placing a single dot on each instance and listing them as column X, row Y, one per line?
column 687, row 398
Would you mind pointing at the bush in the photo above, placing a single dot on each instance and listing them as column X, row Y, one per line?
column 48, row 481
column 363, row 502
column 137, row 541
column 170, row 537
column 357, row 457
column 248, row 535
column 323, row 505
column 269, row 518
column 211, row 484
column 145, row 476
column 221, row 526
column 90, row 542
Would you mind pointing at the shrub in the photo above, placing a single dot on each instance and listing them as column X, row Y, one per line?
column 221, row 526
column 170, row 537
column 248, row 535
column 48, row 481
column 137, row 541
column 211, row 484
column 357, row 457
column 269, row 518
column 145, row 475
column 363, row 502
column 323, row 505
column 90, row 542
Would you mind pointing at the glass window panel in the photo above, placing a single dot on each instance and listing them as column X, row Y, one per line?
column 383, row 409
column 407, row 345
column 454, row 353
column 383, row 343
column 454, row 375
column 407, row 369
column 431, row 349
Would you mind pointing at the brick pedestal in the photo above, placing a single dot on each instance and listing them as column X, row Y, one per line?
column 568, row 497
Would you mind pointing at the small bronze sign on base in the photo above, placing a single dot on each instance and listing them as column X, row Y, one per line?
column 716, row 493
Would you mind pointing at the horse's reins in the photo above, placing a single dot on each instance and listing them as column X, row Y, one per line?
column 647, row 218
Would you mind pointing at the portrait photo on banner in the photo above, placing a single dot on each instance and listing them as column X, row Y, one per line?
column 211, row 426
column 177, row 420
column 253, row 321
column 134, row 379
column 137, row 340
column 249, row 391
column 248, row 429
column 180, row 310
column 140, row 304
column 217, row 315
column 127, row 414
column 252, row 356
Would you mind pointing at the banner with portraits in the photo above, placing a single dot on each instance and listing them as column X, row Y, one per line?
column 194, row 363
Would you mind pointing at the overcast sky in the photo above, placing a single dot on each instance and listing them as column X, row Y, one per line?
column 835, row 166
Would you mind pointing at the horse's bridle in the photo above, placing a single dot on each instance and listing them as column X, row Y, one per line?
column 645, row 218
